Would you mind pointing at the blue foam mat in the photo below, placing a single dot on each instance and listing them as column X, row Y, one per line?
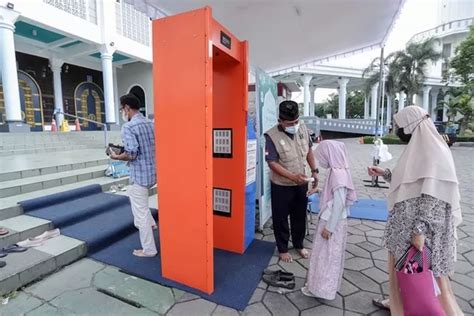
column 363, row 209
column 105, row 223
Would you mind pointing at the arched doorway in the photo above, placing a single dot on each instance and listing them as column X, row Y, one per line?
column 30, row 100
column 89, row 103
column 140, row 94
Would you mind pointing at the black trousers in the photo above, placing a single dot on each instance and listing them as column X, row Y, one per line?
column 292, row 201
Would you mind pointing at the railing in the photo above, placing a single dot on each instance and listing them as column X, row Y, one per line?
column 84, row 9
column 354, row 126
column 450, row 27
column 104, row 125
column 132, row 23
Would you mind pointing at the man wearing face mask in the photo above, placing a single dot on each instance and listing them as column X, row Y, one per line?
column 139, row 150
column 289, row 156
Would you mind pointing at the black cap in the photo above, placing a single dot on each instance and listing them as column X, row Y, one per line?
column 289, row 111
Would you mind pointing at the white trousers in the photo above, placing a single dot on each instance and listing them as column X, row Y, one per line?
column 142, row 218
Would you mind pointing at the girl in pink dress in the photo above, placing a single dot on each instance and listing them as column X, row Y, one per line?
column 329, row 241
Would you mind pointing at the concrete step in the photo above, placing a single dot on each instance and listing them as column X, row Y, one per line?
column 9, row 206
column 33, row 138
column 35, row 263
column 65, row 143
column 47, row 169
column 30, row 184
column 23, row 227
column 26, row 267
column 38, row 150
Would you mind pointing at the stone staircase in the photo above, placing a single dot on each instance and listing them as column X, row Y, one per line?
column 32, row 143
column 38, row 164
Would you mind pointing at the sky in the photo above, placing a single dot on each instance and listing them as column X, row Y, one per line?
column 416, row 16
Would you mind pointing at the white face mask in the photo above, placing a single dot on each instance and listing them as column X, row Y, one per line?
column 292, row 129
column 124, row 116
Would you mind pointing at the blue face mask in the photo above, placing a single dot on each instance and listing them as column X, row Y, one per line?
column 292, row 129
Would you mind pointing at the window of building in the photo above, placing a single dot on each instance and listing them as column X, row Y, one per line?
column 446, row 51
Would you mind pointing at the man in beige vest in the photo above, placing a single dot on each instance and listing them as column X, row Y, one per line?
column 291, row 161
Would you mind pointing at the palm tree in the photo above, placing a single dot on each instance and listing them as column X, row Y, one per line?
column 461, row 101
column 372, row 75
column 407, row 67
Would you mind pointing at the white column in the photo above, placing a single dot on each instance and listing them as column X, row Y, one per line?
column 106, row 54
column 402, row 100
column 366, row 108
column 373, row 100
column 116, row 96
column 306, row 81
column 56, row 65
column 426, row 98
column 445, row 110
column 312, row 90
column 11, row 91
column 389, row 110
column 342, row 82
column 434, row 103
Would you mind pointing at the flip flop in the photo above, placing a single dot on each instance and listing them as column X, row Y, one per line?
column 47, row 235
column 276, row 282
column 3, row 231
column 28, row 243
column 2, row 264
column 13, row 248
column 379, row 303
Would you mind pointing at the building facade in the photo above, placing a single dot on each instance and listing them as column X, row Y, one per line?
column 77, row 56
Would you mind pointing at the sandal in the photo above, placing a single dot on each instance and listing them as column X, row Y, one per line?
column 12, row 248
column 306, row 292
column 276, row 282
column 3, row 231
column 47, row 235
column 280, row 274
column 379, row 303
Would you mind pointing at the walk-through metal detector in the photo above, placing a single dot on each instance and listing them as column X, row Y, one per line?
column 200, row 91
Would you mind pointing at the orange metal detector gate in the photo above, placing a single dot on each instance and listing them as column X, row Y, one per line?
column 200, row 88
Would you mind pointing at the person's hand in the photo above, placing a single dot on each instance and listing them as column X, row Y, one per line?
column 113, row 155
column 375, row 171
column 312, row 191
column 325, row 233
column 300, row 179
column 418, row 241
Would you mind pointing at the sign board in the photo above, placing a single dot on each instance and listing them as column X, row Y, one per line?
column 267, row 117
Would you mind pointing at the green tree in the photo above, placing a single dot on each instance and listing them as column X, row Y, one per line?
column 408, row 66
column 462, row 64
column 461, row 102
column 355, row 104
column 405, row 69
column 319, row 110
column 331, row 105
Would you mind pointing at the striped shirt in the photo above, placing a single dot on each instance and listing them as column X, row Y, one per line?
column 139, row 141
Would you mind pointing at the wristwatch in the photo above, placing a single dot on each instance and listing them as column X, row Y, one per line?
column 418, row 230
column 315, row 170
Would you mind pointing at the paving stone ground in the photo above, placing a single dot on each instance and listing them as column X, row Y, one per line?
column 89, row 287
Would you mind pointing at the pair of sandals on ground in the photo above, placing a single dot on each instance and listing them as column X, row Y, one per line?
column 23, row 246
column 10, row 249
